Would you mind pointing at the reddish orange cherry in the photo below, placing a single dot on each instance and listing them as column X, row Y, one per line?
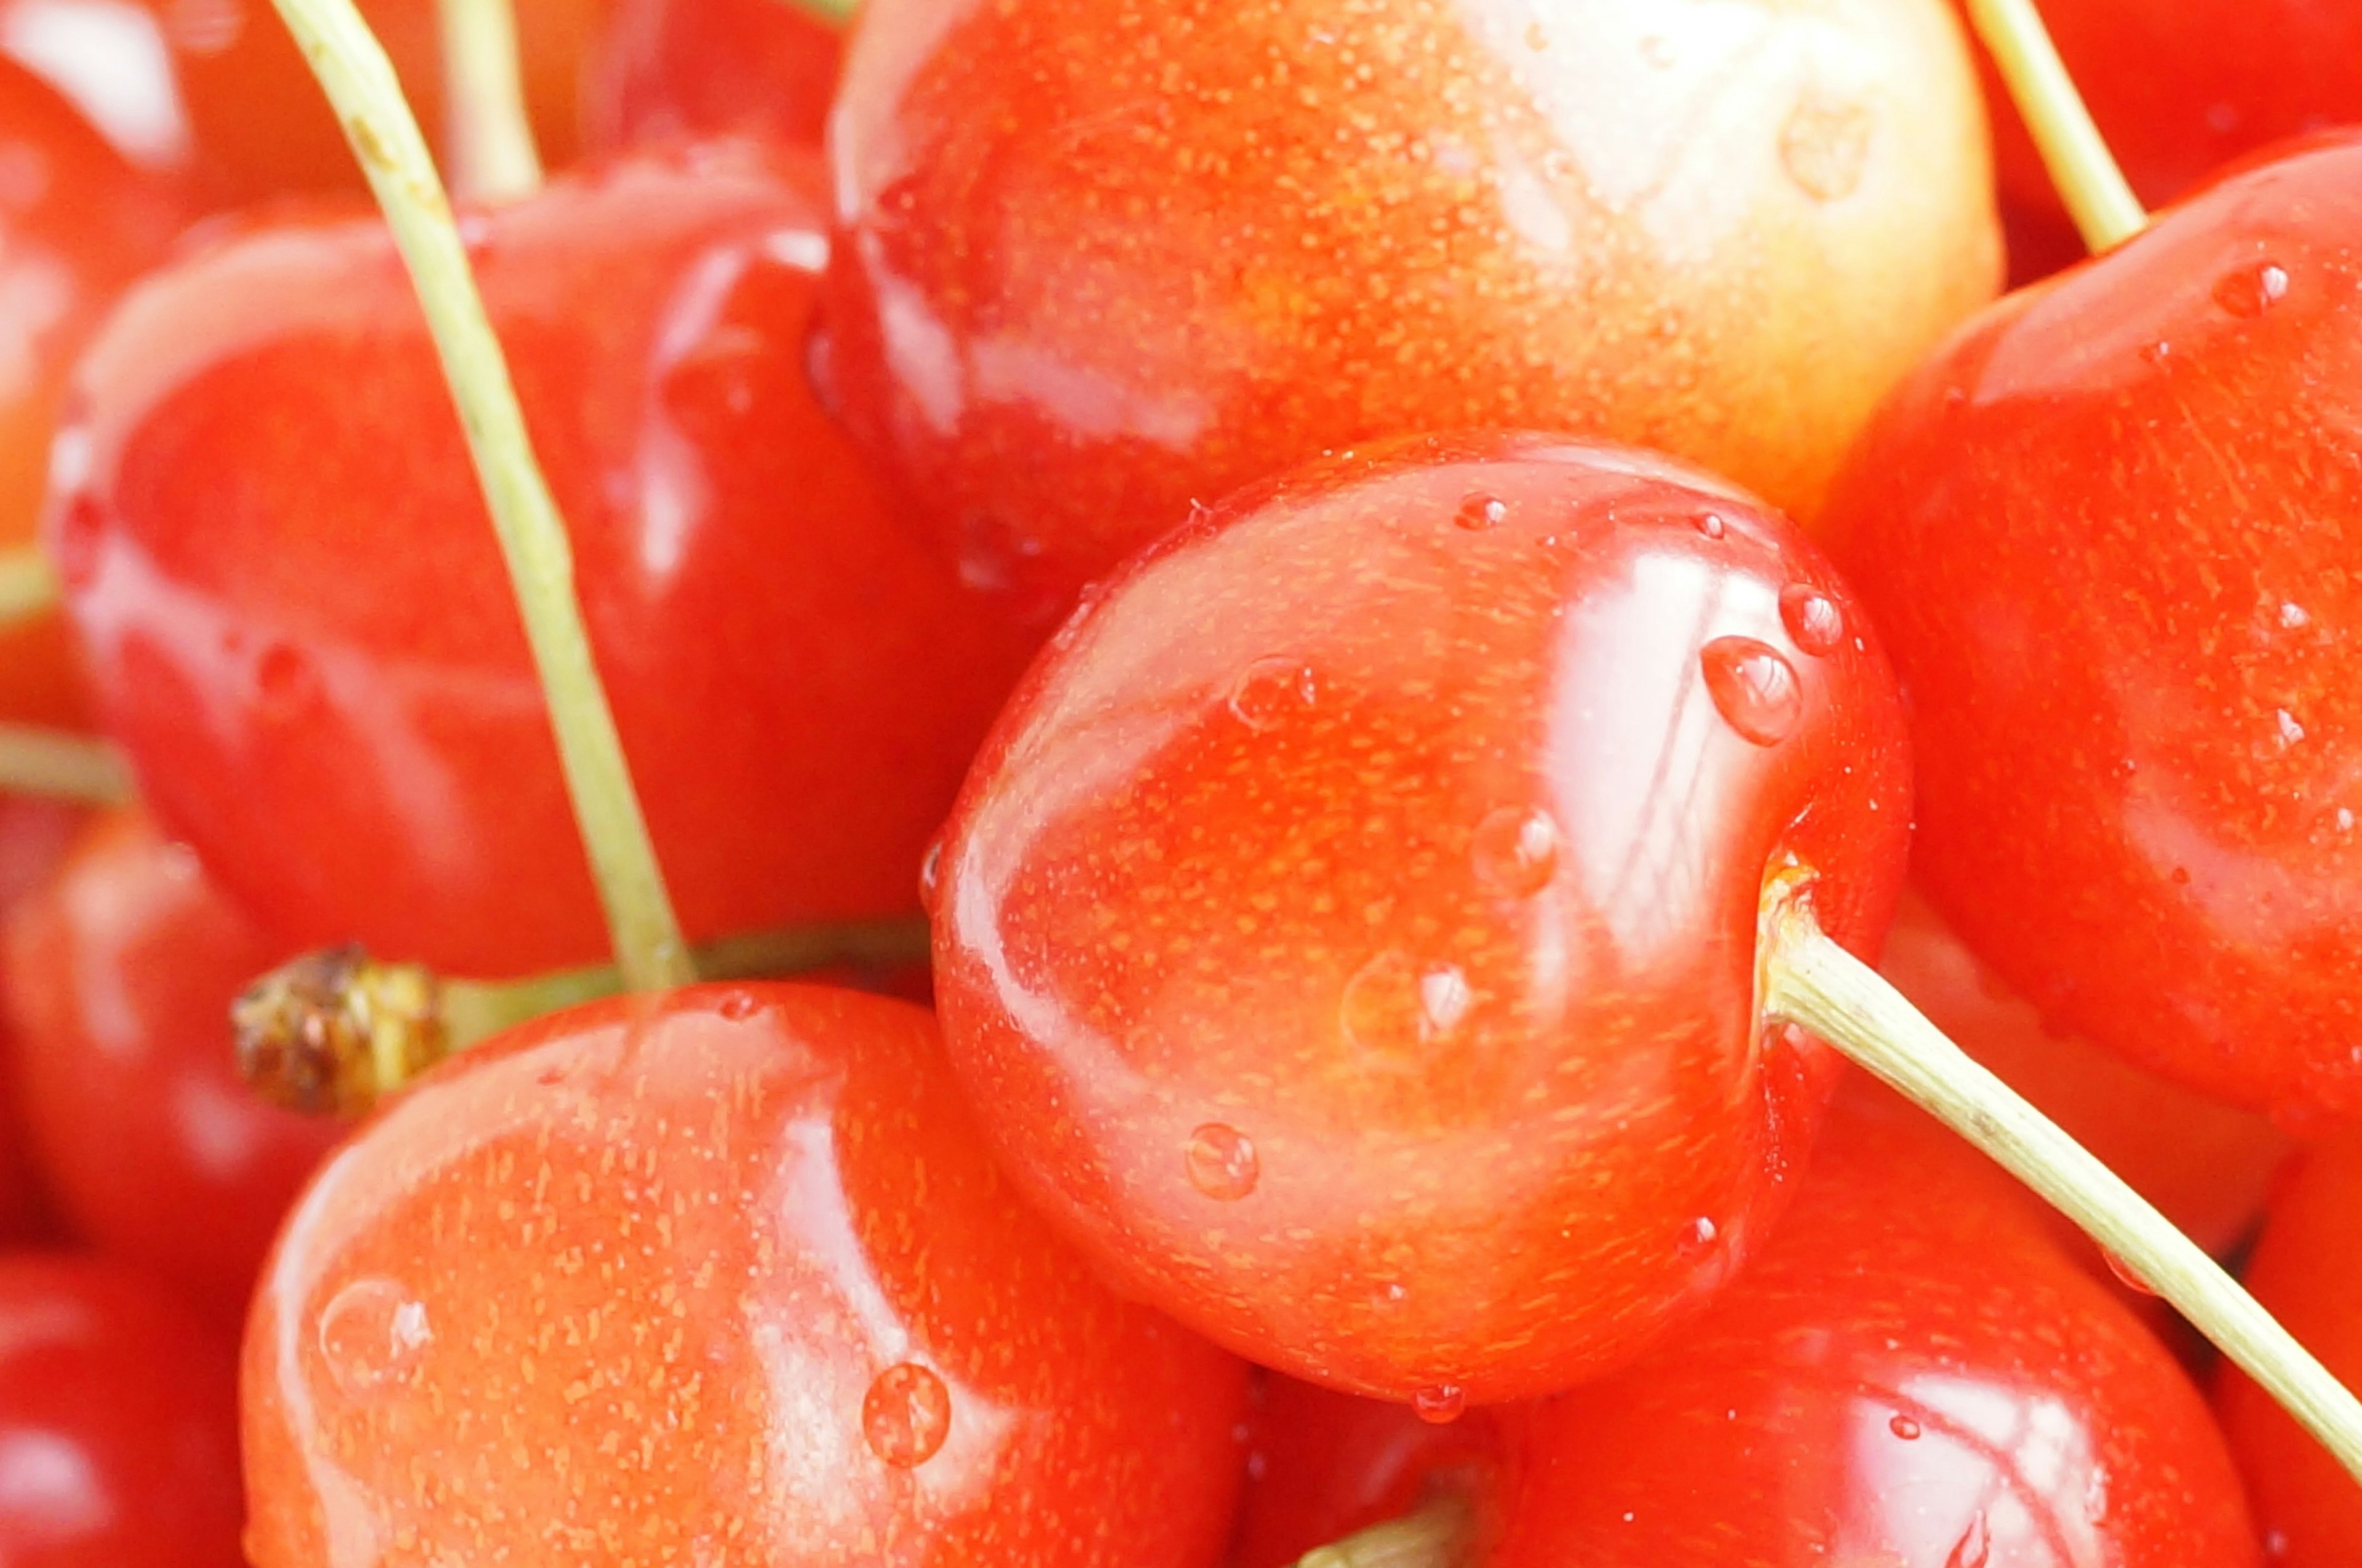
column 1350, row 930
column 665, row 68
column 726, row 1277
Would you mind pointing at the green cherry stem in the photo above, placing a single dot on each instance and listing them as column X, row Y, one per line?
column 1810, row 981
column 837, row 14
column 28, row 585
column 359, row 82
column 1434, row 1535
column 55, row 764
column 493, row 158
column 2090, row 181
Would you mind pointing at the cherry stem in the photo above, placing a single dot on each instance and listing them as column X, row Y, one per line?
column 1809, row 981
column 492, row 154
column 56, row 764
column 28, row 585
column 837, row 14
column 334, row 1032
column 2090, row 181
column 359, row 82
column 1434, row 1535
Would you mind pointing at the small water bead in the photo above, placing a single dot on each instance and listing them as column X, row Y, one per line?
column 2285, row 725
column 930, row 877
column 1221, row 1161
column 1479, row 513
column 906, row 1415
column 286, row 684
column 1711, row 525
column 1439, row 1405
column 2126, row 1274
column 1754, row 688
column 2251, row 291
column 1272, row 689
column 739, row 1006
column 1516, row 850
column 374, row 1336
column 1974, row 1547
column 1905, row 1427
column 1813, row 619
column 1393, row 1006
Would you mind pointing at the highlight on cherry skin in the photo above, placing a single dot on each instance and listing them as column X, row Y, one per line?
column 1350, row 926
column 753, row 1293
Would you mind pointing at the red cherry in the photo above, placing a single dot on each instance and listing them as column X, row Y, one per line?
column 2307, row 1269
column 119, row 975
column 1425, row 862
column 2205, row 1165
column 723, row 1276
column 665, row 68
column 118, row 1435
column 1910, row 1374
column 301, row 628
column 2107, row 532
column 1101, row 263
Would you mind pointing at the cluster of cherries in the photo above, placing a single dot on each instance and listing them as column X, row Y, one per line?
column 1213, row 502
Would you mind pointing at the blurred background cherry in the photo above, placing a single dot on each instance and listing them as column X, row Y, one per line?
column 673, row 68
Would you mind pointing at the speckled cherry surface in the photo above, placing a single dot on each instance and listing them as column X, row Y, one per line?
column 1102, row 259
column 1911, row 1375
column 117, row 976
column 300, row 630
column 2108, row 533
column 118, row 1422
column 2206, row 1166
column 666, row 68
column 723, row 1278
column 1350, row 930
column 2308, row 1272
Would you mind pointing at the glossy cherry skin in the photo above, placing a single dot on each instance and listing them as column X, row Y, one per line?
column 1910, row 1375
column 2307, row 1270
column 2206, row 1164
column 1101, row 260
column 300, row 629
column 2107, row 534
column 1321, row 1466
column 118, row 1422
column 666, row 68
column 723, row 1278
column 1349, row 930
column 35, row 836
column 119, row 973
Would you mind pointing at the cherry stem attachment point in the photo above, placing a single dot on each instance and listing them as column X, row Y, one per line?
column 28, row 585
column 359, row 82
column 493, row 158
column 2097, row 195
column 836, row 14
column 57, row 765
column 1434, row 1535
column 333, row 1032
column 1809, row 981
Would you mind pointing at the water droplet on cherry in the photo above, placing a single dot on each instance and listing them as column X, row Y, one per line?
column 286, row 684
column 2253, row 289
column 1479, row 513
column 1905, row 1427
column 739, row 1006
column 2127, row 1273
column 1711, row 525
column 1270, row 690
column 1222, row 1163
column 1439, row 1405
column 1699, row 1235
column 374, row 1336
column 1516, row 850
column 906, row 1415
column 1392, row 1007
column 1813, row 619
column 1974, row 1546
column 1754, row 688
column 930, row 877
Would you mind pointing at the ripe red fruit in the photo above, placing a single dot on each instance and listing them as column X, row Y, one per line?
column 1349, row 930
column 665, row 68
column 301, row 628
column 119, row 973
column 1910, row 1374
column 723, row 1276
column 118, row 1427
column 2108, row 533
column 1100, row 263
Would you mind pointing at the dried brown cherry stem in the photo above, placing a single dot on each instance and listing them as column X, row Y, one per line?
column 58, row 765
column 359, row 81
column 492, row 155
column 28, row 585
column 334, row 1032
column 1435, row 1535
column 1808, row 981
column 2089, row 180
